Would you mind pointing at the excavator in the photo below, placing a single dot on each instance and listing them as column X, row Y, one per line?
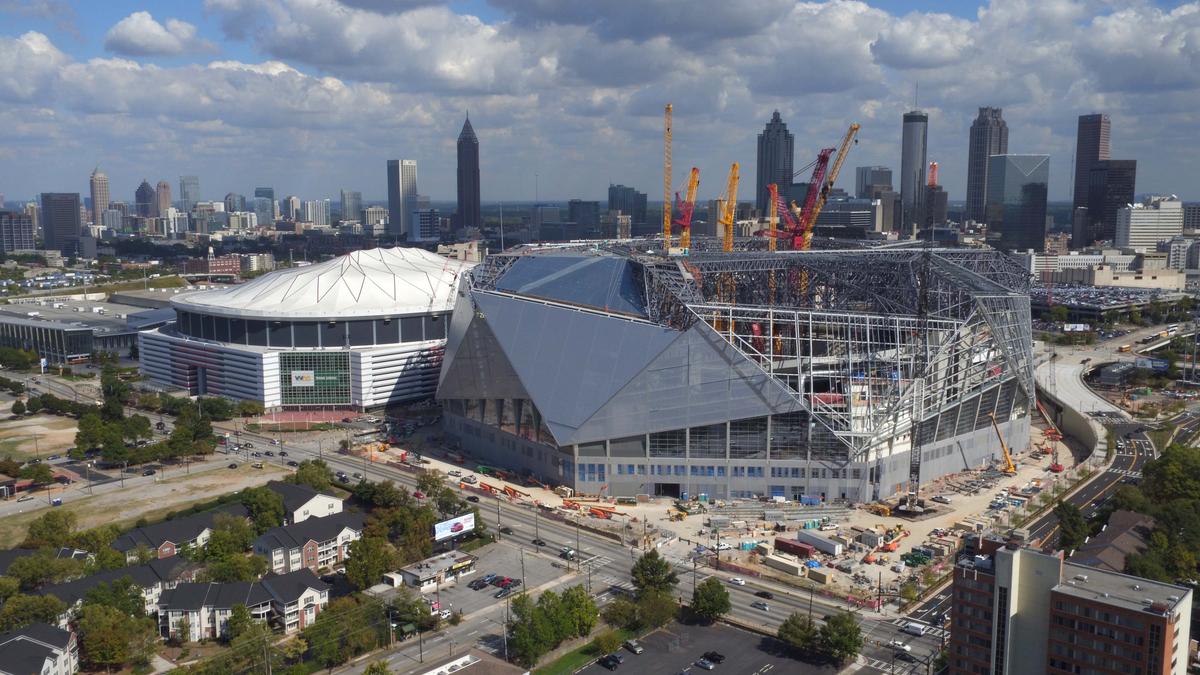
column 1010, row 469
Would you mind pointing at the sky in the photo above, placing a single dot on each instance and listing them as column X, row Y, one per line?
column 566, row 96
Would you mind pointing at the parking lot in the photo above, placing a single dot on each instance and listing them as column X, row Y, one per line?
column 502, row 559
column 677, row 648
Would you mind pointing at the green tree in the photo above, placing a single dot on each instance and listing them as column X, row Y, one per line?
column 22, row 610
column 51, row 529
column 249, row 408
column 1057, row 313
column 235, row 568
column 620, row 613
column 8, row 588
column 239, row 622
column 137, row 427
column 431, row 481
column 582, row 613
column 653, row 573
column 524, row 642
column 710, row 600
column 656, row 609
column 345, row 629
column 182, row 632
column 41, row 474
column 378, row 668
column 265, row 507
column 314, row 473
column 1072, row 528
column 217, row 408
column 43, row 567
column 909, row 591
column 231, row 535
column 122, row 595
column 369, row 558
column 841, row 637
column 607, row 641
column 18, row 407
column 800, row 633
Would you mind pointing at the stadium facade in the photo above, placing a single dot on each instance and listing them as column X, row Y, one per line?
column 742, row 374
column 358, row 331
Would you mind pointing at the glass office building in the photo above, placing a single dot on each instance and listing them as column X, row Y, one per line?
column 1016, row 201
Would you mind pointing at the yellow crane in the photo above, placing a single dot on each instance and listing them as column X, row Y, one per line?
column 666, row 219
column 1009, row 468
column 730, row 210
column 811, row 221
column 686, row 210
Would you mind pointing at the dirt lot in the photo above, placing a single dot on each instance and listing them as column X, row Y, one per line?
column 29, row 437
column 150, row 500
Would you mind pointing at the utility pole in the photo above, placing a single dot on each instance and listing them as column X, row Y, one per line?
column 497, row 495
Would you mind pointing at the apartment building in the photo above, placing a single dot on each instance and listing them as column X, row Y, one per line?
column 301, row 502
column 288, row 602
column 313, row 543
column 39, row 648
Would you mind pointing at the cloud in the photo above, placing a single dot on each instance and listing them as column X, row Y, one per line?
column 139, row 34
column 923, row 41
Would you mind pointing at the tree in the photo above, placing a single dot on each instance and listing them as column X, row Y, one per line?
column 345, row 629
column 1072, row 528
column 314, row 473
column 231, row 535
column 909, row 591
column 1057, row 313
column 182, row 632
column 8, row 587
column 216, row 408
column 122, row 595
column 265, row 507
column 239, row 622
column 656, row 609
column 43, row 567
column 51, row 529
column 523, row 639
column 800, row 633
column 378, row 668
column 581, row 613
column 841, row 637
column 235, row 568
column 620, row 613
column 105, row 637
column 249, row 408
column 710, row 600
column 22, row 610
column 369, row 558
column 651, row 572
column 607, row 641
column 40, row 474
column 431, row 481
column 18, row 407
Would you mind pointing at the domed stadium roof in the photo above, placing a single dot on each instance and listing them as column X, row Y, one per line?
column 379, row 282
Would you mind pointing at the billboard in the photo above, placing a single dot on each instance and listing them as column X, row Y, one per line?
column 454, row 527
column 1152, row 364
column 1076, row 328
column 304, row 378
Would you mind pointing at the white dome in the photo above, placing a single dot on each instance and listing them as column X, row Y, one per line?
column 379, row 282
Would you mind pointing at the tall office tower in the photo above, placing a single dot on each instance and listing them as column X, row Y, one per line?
column 867, row 176
column 1143, row 226
column 61, row 225
column 267, row 193
column 291, row 208
column 1111, row 186
column 16, row 232
column 468, row 178
column 189, row 192
column 99, row 185
column 264, row 211
column 776, row 148
column 317, row 212
column 1091, row 146
column 936, row 206
column 402, row 196
column 913, row 144
column 989, row 136
column 144, row 199
column 629, row 201
column 351, row 205
column 235, row 202
column 1016, row 200
column 162, row 199
column 586, row 214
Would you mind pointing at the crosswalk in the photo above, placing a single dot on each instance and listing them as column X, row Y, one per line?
column 929, row 630
column 1126, row 472
column 886, row 666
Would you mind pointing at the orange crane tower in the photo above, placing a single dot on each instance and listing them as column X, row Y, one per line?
column 686, row 209
column 933, row 174
column 730, row 211
column 666, row 219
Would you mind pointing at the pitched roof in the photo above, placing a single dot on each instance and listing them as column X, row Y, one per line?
column 294, row 496
column 288, row 588
column 22, row 657
column 177, row 531
column 73, row 591
column 9, row 556
column 188, row 597
column 39, row 632
column 1126, row 533
column 312, row 529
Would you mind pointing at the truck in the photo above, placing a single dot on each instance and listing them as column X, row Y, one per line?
column 798, row 549
column 819, row 542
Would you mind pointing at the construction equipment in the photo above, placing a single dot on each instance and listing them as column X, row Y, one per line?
column 879, row 509
column 793, row 217
column 810, row 219
column 666, row 216
column 912, row 499
column 730, row 211
column 1010, row 468
column 933, row 174
column 513, row 492
column 773, row 224
column 686, row 208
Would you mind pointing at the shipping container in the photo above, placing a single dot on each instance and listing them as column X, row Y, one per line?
column 820, row 542
column 794, row 547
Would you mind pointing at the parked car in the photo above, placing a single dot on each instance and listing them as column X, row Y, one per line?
column 633, row 646
column 609, row 662
column 715, row 657
column 723, row 546
column 502, row 593
column 149, row 472
column 233, row 466
column 705, row 664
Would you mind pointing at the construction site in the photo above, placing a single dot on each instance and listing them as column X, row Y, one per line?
column 771, row 366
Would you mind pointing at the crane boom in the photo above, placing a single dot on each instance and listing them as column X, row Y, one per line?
column 773, row 222
column 686, row 209
column 666, row 219
column 801, row 219
column 1010, row 468
column 828, row 184
column 727, row 215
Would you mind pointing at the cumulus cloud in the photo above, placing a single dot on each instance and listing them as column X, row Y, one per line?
column 923, row 41
column 139, row 34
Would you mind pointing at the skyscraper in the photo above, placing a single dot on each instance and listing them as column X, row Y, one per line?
column 61, row 226
column 867, row 176
column 1091, row 146
column 351, row 205
column 912, row 170
column 1111, row 186
column 144, row 200
column 16, row 232
column 1143, row 226
column 989, row 136
column 1016, row 200
column 402, row 196
column 292, row 208
column 189, row 192
column 586, row 214
column 99, row 185
column 776, row 148
column 234, row 202
column 163, row 199
column 468, row 178
column 629, row 201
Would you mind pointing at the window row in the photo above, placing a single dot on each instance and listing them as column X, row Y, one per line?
column 332, row 334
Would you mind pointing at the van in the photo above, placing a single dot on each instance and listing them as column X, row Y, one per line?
column 257, row 465
column 914, row 628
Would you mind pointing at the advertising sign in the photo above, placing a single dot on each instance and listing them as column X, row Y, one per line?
column 454, row 527
column 1153, row 364
column 304, row 378
column 1076, row 328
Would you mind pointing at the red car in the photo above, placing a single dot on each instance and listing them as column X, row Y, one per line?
column 419, row 495
column 457, row 527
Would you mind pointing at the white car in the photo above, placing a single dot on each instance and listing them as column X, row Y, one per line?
column 737, row 581
column 899, row 644
column 454, row 473
column 941, row 499
column 469, row 480
column 445, row 614
column 723, row 546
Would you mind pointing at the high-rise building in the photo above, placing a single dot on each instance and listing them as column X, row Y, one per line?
column 913, row 147
column 936, row 205
column 162, row 198
column 61, row 226
column 374, row 219
column 144, row 199
column 866, row 177
column 426, row 225
column 1017, row 610
column 266, row 218
column 1016, row 200
column 1142, row 226
column 1111, row 186
column 989, row 136
column 99, row 186
column 291, row 208
column 189, row 192
column 629, row 201
column 402, row 196
column 1091, row 146
column 469, row 211
column 16, row 232
column 586, row 214
column 235, row 202
column 351, row 204
column 1191, row 216
column 776, row 148
column 317, row 213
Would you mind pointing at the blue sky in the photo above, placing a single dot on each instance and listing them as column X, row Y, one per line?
column 311, row 96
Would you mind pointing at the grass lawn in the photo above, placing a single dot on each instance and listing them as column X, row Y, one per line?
column 574, row 660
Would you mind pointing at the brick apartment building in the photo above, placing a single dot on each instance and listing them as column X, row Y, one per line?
column 1017, row 610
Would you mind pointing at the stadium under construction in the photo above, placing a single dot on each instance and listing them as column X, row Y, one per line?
column 739, row 374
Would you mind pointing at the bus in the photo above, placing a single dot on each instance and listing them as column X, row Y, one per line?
column 1125, row 349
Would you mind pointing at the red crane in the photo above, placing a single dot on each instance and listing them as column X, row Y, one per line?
column 794, row 217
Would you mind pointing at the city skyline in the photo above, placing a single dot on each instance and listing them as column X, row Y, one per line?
column 551, row 107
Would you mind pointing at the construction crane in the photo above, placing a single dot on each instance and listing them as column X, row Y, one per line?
column 911, row 503
column 1009, row 467
column 933, row 171
column 809, row 218
column 792, row 217
column 666, row 218
column 686, row 208
column 772, row 224
column 730, row 210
